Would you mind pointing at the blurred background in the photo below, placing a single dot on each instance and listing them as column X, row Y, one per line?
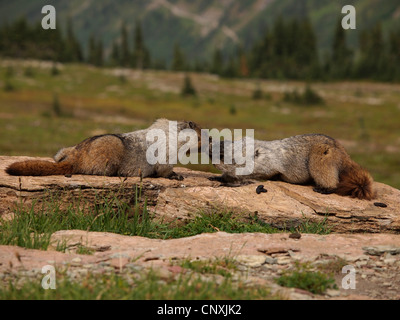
column 282, row 68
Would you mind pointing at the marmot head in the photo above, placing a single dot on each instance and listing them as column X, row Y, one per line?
column 164, row 124
column 182, row 125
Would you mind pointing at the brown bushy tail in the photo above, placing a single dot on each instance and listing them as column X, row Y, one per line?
column 39, row 168
column 356, row 182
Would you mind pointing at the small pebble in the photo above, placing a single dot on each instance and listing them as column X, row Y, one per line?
column 270, row 260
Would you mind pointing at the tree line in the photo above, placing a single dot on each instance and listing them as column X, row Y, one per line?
column 22, row 40
column 287, row 50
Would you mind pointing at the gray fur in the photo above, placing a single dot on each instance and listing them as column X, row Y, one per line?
column 122, row 154
column 136, row 147
column 286, row 158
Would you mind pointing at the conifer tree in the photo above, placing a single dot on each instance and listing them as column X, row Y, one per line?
column 188, row 89
column 138, row 49
column 178, row 62
column 115, row 57
column 231, row 68
column 340, row 66
column 95, row 55
column 307, row 54
column 125, row 52
column 372, row 62
column 217, row 65
column 261, row 57
column 394, row 55
column 73, row 48
column 99, row 54
column 243, row 65
column 91, row 58
column 141, row 55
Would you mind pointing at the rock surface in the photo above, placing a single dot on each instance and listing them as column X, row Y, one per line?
column 283, row 206
column 260, row 258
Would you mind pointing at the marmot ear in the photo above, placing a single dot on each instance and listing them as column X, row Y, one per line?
column 192, row 125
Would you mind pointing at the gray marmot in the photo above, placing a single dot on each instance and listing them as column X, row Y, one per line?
column 108, row 155
column 301, row 159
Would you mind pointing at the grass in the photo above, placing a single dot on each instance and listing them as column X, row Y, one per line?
column 334, row 266
column 32, row 226
column 221, row 266
column 224, row 221
column 147, row 286
column 307, row 97
column 41, row 113
column 308, row 226
column 97, row 101
column 302, row 277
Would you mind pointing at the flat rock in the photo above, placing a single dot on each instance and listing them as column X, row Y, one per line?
column 248, row 250
column 247, row 247
column 380, row 250
column 283, row 206
column 251, row 261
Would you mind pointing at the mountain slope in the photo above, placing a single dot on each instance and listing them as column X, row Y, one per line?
column 199, row 26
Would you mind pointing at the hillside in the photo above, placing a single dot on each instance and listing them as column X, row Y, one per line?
column 42, row 111
column 201, row 26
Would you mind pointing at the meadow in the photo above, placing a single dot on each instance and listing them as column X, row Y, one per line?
column 46, row 106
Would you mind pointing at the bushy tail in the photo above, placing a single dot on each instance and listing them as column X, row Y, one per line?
column 39, row 168
column 356, row 182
